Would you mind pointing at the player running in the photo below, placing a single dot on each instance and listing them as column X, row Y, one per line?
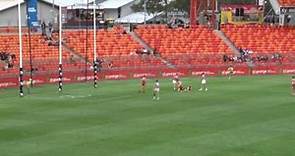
column 156, row 94
column 203, row 82
column 230, row 72
column 143, row 84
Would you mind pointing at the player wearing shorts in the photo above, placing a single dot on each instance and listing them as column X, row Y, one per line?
column 180, row 87
column 189, row 89
column 203, row 82
column 29, row 84
column 156, row 92
column 143, row 84
column 230, row 72
column 174, row 81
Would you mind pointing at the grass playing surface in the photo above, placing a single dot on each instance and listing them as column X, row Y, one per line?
column 245, row 116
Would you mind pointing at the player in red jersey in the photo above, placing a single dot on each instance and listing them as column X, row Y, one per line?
column 143, row 84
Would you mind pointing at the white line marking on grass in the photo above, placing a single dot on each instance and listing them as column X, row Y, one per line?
column 75, row 96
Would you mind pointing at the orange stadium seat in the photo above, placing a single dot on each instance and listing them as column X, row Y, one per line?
column 178, row 44
column 287, row 3
column 262, row 38
column 113, row 45
column 43, row 55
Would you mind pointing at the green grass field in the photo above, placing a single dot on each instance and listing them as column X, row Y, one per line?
column 245, row 116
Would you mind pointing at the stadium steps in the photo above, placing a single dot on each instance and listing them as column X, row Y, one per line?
column 137, row 38
column 70, row 50
column 74, row 53
column 230, row 44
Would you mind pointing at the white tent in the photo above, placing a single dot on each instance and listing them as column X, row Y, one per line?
column 137, row 17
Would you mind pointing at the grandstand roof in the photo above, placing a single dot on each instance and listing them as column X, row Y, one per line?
column 5, row 4
column 137, row 17
column 67, row 2
column 114, row 4
column 108, row 4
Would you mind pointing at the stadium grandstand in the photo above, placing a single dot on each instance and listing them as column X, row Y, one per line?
column 121, row 47
column 83, row 44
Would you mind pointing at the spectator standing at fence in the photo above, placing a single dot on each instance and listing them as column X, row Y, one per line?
column 43, row 29
column 50, row 27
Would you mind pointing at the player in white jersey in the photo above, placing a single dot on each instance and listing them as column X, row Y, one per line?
column 203, row 82
column 174, row 81
column 29, row 84
column 230, row 72
column 156, row 90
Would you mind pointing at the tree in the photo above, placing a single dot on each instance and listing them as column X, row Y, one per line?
column 153, row 6
column 182, row 5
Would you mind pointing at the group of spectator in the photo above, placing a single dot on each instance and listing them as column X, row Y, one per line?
column 276, row 57
column 47, row 32
column 247, row 56
column 7, row 60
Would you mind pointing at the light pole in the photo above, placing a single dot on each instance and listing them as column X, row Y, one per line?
column 145, row 10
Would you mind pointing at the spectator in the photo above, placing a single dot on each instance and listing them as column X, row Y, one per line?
column 8, row 59
column 50, row 27
column 43, row 28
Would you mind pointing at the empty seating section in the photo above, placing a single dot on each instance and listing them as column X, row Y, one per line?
column 183, row 44
column 134, row 61
column 113, row 45
column 287, row 3
column 262, row 38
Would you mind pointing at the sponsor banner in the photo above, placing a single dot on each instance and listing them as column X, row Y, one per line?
column 115, row 76
column 84, row 78
column 237, row 71
column 208, row 71
column 38, row 80
column 8, row 84
column 264, row 70
column 288, row 71
column 32, row 13
column 171, row 73
column 141, row 74
column 64, row 79
column 152, row 73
